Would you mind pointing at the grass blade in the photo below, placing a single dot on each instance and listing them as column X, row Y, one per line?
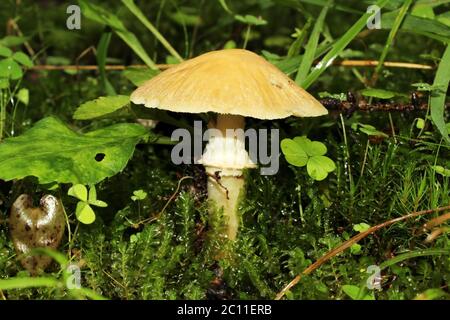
column 396, row 26
column 100, row 15
column 438, row 96
column 140, row 15
column 339, row 46
column 102, row 52
column 28, row 282
column 312, row 44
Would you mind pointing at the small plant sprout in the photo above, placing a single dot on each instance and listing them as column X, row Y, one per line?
column 233, row 83
column 84, row 212
column 139, row 195
column 301, row 152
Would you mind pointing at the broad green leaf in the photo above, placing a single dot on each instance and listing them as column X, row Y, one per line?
column 294, row 153
column 437, row 100
column 23, row 96
column 10, row 69
column 369, row 130
column 84, row 213
column 23, row 59
column 139, row 76
column 351, row 291
column 4, row 83
column 5, row 52
column 318, row 167
column 378, row 93
column 78, row 191
column 52, row 152
column 315, row 148
column 100, row 107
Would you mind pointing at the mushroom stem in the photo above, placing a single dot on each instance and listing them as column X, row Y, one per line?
column 224, row 159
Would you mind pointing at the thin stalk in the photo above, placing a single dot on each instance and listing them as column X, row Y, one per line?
column 2, row 114
column 247, row 35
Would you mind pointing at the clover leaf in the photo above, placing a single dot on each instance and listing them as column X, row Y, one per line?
column 84, row 212
column 301, row 152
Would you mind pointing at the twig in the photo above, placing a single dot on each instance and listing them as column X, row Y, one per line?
column 374, row 63
column 347, row 244
column 153, row 218
column 363, row 105
column 344, row 63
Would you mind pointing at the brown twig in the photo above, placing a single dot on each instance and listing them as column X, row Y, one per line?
column 344, row 63
column 347, row 244
column 362, row 105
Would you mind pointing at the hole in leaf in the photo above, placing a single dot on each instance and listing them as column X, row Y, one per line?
column 99, row 157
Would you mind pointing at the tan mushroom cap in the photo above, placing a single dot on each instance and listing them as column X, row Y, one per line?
column 232, row 81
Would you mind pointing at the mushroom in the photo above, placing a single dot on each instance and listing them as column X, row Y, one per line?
column 234, row 83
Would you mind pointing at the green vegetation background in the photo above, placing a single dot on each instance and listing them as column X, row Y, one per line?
column 288, row 220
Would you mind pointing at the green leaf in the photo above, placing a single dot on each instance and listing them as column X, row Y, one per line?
column 4, row 83
column 437, row 100
column 351, row 291
column 361, row 227
column 315, row 148
column 378, row 93
column 318, row 167
column 10, row 69
column 92, row 193
column 369, row 130
column 441, row 170
column 100, row 107
column 355, row 249
column 78, row 191
column 98, row 203
column 13, row 41
column 423, row 26
column 100, row 15
column 102, row 53
column 23, row 59
column 294, row 153
column 139, row 195
column 420, row 124
column 84, row 213
column 52, row 152
column 141, row 16
column 339, row 46
column 311, row 46
column 139, row 76
column 23, row 96
column 27, row 282
column 5, row 52
column 250, row 20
